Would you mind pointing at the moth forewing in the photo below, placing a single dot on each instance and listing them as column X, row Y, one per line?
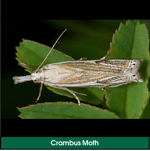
column 100, row 73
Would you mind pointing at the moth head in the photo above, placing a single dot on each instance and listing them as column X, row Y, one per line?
column 35, row 77
column 136, row 77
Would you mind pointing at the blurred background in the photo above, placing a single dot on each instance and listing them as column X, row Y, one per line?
column 83, row 38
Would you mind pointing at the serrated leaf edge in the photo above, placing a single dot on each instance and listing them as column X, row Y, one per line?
column 83, row 104
column 143, row 107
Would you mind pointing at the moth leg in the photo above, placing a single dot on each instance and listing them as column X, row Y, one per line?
column 63, row 88
column 83, row 58
column 78, row 93
column 104, row 58
column 72, row 94
column 41, row 86
column 21, row 63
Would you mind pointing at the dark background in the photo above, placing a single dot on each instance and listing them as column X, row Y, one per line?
column 84, row 38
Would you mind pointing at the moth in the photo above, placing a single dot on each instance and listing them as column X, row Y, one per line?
column 100, row 73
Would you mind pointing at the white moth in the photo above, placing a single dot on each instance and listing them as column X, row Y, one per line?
column 100, row 73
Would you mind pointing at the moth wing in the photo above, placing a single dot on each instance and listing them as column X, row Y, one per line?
column 114, row 81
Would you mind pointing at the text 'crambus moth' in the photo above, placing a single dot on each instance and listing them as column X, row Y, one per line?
column 100, row 73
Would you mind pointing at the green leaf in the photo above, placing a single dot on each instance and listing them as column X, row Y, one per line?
column 146, row 110
column 33, row 53
column 130, row 41
column 64, row 111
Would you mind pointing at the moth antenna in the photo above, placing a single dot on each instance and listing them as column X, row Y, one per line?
column 50, row 50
